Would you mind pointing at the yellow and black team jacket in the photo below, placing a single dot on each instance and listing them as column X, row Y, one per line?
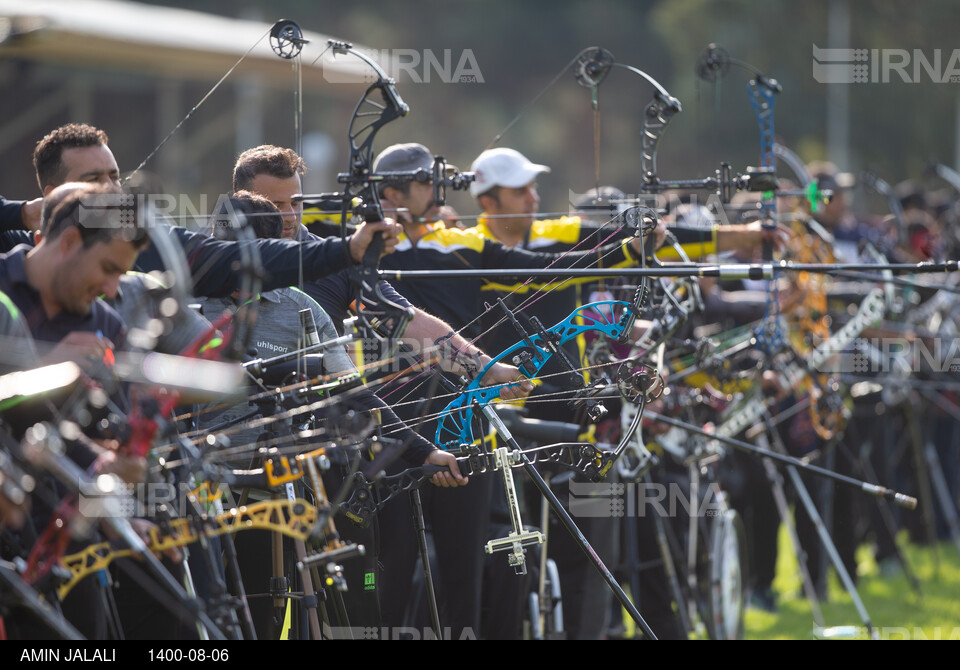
column 696, row 243
column 459, row 301
column 551, row 302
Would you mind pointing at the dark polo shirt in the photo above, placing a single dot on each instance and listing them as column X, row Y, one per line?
column 13, row 282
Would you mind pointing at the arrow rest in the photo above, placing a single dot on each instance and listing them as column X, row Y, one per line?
column 586, row 399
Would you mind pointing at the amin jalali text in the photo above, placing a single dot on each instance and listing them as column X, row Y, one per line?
column 68, row 655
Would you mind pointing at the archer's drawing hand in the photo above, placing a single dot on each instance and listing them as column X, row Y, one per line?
column 754, row 235
column 659, row 234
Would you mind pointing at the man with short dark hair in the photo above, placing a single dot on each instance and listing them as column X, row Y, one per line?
column 74, row 152
column 419, row 207
column 258, row 212
column 273, row 172
column 82, row 255
column 90, row 238
column 79, row 153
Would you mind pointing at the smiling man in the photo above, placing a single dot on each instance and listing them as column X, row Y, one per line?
column 84, row 251
column 91, row 235
column 75, row 152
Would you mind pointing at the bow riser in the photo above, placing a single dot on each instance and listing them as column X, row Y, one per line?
column 455, row 426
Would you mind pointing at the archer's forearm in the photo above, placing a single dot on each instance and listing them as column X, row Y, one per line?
column 436, row 338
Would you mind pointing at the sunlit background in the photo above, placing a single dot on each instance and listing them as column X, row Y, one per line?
column 137, row 69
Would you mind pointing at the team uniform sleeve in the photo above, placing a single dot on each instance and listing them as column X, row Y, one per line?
column 496, row 256
column 695, row 242
column 335, row 295
column 10, row 216
column 216, row 265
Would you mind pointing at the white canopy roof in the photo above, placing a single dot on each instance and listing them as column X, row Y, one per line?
column 130, row 36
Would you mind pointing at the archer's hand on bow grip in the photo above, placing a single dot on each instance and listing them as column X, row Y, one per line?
column 455, row 423
column 511, row 382
column 372, row 240
column 371, row 257
column 366, row 271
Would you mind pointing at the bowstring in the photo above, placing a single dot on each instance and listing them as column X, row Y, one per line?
column 541, row 291
column 547, row 287
column 197, row 106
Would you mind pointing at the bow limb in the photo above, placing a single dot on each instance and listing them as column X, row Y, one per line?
column 674, row 313
column 286, row 40
column 380, row 104
column 293, row 518
column 591, row 67
column 657, row 114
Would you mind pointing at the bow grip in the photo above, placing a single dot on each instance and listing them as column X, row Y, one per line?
column 367, row 270
column 768, row 231
column 371, row 257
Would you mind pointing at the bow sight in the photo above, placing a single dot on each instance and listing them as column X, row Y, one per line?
column 442, row 176
column 724, row 182
column 593, row 65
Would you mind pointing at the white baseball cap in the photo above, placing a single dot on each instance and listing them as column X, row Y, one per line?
column 502, row 167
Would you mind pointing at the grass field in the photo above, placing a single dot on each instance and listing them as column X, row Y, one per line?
column 895, row 611
column 892, row 606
